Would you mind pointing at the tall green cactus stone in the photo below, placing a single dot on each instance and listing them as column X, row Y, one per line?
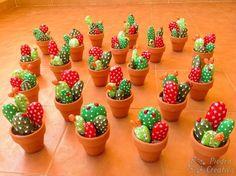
column 9, row 111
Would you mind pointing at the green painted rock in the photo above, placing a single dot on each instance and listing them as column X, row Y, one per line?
column 56, row 61
column 100, row 122
column 197, row 61
column 200, row 127
column 125, row 85
column 226, row 127
column 210, row 47
column 9, row 111
column 61, row 86
column 31, row 78
column 77, row 89
column 198, row 44
column 170, row 77
column 25, row 85
column 209, row 140
column 34, row 54
column 66, row 97
column 184, row 89
column 143, row 133
column 106, row 58
column 73, row 42
column 207, row 73
column 22, row 125
column 120, row 95
column 79, row 124
column 140, row 63
column 92, row 110
column 21, row 102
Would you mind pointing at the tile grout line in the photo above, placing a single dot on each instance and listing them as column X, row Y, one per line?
column 230, row 81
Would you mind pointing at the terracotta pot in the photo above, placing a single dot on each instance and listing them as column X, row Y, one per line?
column 119, row 108
column 97, row 39
column 156, row 54
column 178, row 43
column 30, row 143
column 33, row 67
column 137, row 77
column 120, row 55
column 207, row 156
column 132, row 40
column 31, row 94
column 76, row 53
column 199, row 91
column 43, row 45
column 94, row 146
column 70, row 108
column 99, row 77
column 57, row 70
column 204, row 55
column 171, row 112
column 149, row 152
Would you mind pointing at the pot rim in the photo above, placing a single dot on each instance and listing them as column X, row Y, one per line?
column 77, row 47
column 113, row 100
column 41, row 42
column 60, row 66
column 30, row 62
column 138, row 70
column 93, row 35
column 99, row 71
column 177, row 38
column 168, row 104
column 201, row 83
column 32, row 89
column 28, row 135
column 69, row 104
column 197, row 53
column 120, row 50
column 155, row 48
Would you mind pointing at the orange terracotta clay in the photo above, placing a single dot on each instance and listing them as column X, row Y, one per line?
column 170, row 112
column 132, row 40
column 76, row 53
column 31, row 94
column 97, row 39
column 199, row 91
column 137, row 77
column 70, row 108
column 120, row 108
column 33, row 67
column 94, row 146
column 120, row 55
column 57, row 70
column 156, row 54
column 204, row 55
column 43, row 45
column 178, row 43
column 99, row 77
column 207, row 156
column 149, row 152
column 31, row 143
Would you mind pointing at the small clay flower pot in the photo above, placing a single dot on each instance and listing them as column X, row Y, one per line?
column 96, row 145
column 96, row 39
column 207, row 156
column 178, row 43
column 43, row 45
column 57, row 70
column 132, row 40
column 199, row 91
column 204, row 55
column 120, row 108
column 137, row 77
column 149, row 152
column 70, row 108
column 33, row 67
column 171, row 112
column 156, row 54
column 31, row 94
column 120, row 55
column 99, row 77
column 76, row 53
column 31, row 143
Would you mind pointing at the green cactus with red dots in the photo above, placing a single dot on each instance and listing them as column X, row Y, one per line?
column 138, row 62
column 94, row 27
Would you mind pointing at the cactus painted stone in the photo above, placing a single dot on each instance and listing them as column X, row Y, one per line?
column 210, row 139
column 198, row 44
column 9, row 111
column 25, row 85
column 34, row 54
column 143, row 133
column 151, row 36
column 77, row 89
column 197, row 61
column 200, row 127
column 79, row 124
column 170, row 77
column 184, row 89
column 56, row 61
column 66, row 96
column 125, row 85
column 207, row 73
column 73, row 42
column 226, row 127
column 100, row 122
column 59, row 87
column 91, row 111
column 31, row 78
column 105, row 59
column 21, row 102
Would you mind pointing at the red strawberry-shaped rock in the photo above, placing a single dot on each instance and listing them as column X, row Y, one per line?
column 114, row 42
column 146, row 54
column 170, row 92
column 173, row 25
column 89, row 130
column 80, row 38
column 52, row 48
column 210, row 38
column 116, row 75
column 43, row 28
column 159, row 131
column 95, row 52
column 132, row 30
column 70, row 77
column 16, row 82
column 97, row 31
column 216, row 114
column 25, row 50
column 195, row 74
column 35, row 112
column 159, row 42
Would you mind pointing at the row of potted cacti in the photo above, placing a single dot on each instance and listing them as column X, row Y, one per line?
column 209, row 137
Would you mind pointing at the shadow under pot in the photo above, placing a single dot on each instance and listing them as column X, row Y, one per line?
column 149, row 152
column 132, row 40
column 207, row 156
column 70, row 108
column 170, row 112
column 33, row 67
column 43, row 45
column 31, row 143
column 120, row 55
column 119, row 108
column 137, row 77
column 156, row 54
column 199, row 91
column 96, row 145
column 76, row 53
column 96, row 40
column 31, row 94
column 99, row 77
column 178, row 43
column 57, row 70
